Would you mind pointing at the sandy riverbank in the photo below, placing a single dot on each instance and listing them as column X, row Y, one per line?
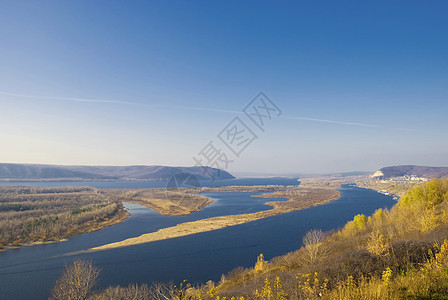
column 304, row 198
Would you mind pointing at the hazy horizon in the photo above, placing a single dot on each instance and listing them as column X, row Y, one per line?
column 358, row 86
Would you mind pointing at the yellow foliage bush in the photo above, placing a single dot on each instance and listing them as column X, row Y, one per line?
column 261, row 264
column 378, row 244
column 354, row 227
column 426, row 195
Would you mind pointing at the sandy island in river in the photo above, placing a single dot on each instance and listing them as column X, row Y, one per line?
column 307, row 195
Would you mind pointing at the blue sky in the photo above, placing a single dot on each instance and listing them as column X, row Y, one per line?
column 152, row 82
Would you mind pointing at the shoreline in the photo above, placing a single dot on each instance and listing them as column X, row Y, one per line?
column 390, row 188
column 116, row 219
column 214, row 223
column 299, row 197
column 183, row 201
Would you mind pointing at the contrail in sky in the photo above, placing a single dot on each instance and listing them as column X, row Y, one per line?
column 66, row 99
column 330, row 121
column 108, row 101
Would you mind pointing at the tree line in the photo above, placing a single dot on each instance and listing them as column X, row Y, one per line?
column 34, row 214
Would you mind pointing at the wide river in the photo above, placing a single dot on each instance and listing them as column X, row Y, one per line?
column 30, row 272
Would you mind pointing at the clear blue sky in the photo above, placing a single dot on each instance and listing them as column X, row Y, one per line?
column 172, row 74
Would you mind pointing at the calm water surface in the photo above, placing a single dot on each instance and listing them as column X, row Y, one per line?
column 155, row 183
column 30, row 272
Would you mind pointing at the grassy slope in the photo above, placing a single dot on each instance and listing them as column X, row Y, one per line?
column 391, row 255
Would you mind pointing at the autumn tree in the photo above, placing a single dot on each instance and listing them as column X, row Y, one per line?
column 313, row 246
column 77, row 282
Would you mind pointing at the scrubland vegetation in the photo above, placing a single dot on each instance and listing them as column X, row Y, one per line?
column 396, row 254
column 173, row 202
column 329, row 182
column 183, row 200
column 32, row 214
column 300, row 198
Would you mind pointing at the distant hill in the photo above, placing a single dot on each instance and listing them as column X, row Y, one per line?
column 47, row 172
column 411, row 170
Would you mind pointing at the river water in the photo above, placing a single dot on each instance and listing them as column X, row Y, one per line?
column 30, row 272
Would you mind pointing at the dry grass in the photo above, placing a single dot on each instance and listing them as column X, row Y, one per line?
column 391, row 255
